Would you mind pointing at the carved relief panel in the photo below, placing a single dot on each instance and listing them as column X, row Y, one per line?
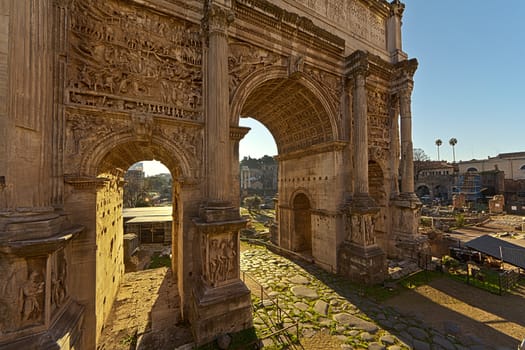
column 244, row 59
column 220, row 263
column 22, row 293
column 128, row 58
column 354, row 16
column 379, row 122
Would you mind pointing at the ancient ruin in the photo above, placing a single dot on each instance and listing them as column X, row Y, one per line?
column 89, row 87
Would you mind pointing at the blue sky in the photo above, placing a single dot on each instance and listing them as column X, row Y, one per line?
column 470, row 83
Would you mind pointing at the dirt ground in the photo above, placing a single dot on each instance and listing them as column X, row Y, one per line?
column 496, row 320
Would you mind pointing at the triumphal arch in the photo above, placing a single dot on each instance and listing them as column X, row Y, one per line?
column 88, row 87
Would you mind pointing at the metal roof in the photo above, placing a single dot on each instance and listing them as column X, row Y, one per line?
column 498, row 248
column 143, row 219
column 146, row 211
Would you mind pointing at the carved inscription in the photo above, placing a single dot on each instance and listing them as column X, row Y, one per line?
column 130, row 59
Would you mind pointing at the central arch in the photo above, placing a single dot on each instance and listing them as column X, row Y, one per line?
column 302, row 117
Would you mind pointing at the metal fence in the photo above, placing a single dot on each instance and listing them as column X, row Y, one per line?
column 286, row 335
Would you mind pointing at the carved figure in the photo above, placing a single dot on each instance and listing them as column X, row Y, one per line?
column 30, row 293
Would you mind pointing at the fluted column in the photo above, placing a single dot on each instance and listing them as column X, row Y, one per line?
column 407, row 154
column 29, row 105
column 360, row 141
column 217, row 103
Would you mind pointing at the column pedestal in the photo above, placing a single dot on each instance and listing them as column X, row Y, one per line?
column 406, row 242
column 359, row 258
column 221, row 302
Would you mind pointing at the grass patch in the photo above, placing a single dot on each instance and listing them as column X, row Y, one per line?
column 158, row 260
column 418, row 279
column 244, row 339
column 489, row 283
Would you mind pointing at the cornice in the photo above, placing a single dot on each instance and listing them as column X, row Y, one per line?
column 333, row 146
column 265, row 14
column 237, row 133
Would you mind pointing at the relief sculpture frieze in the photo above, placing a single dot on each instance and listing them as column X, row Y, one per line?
column 22, row 294
column 244, row 59
column 129, row 59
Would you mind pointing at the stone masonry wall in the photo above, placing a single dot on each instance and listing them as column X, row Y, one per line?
column 110, row 251
column 318, row 177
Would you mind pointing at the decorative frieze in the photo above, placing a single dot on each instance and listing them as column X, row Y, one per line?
column 130, row 59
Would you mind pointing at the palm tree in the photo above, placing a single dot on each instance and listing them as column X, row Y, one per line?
column 453, row 141
column 438, row 144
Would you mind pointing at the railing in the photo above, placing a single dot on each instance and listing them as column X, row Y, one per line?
column 279, row 332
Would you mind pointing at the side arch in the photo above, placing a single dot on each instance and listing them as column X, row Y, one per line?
column 158, row 147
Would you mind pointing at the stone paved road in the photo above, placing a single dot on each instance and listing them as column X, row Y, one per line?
column 332, row 316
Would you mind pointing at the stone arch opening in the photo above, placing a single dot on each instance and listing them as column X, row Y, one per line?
column 101, row 212
column 302, row 224
column 293, row 113
column 302, row 118
column 423, row 192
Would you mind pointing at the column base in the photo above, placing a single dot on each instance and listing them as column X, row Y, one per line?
column 220, row 310
column 406, row 241
column 362, row 264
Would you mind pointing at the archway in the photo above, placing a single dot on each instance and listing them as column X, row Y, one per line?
column 100, row 263
column 301, row 116
column 423, row 192
column 302, row 224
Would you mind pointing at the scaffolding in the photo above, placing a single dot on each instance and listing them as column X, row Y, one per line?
column 469, row 184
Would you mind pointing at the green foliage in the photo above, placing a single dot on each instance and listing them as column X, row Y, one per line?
column 158, row 260
column 449, row 262
column 244, row 339
column 460, row 220
column 130, row 339
column 252, row 202
column 426, row 222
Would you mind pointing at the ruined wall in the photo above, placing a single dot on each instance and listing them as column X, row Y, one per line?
column 110, row 247
column 317, row 176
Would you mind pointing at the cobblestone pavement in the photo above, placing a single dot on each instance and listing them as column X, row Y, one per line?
column 333, row 316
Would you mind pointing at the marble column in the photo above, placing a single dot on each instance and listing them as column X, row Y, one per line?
column 217, row 104
column 407, row 153
column 360, row 141
column 359, row 257
column 220, row 300
column 407, row 242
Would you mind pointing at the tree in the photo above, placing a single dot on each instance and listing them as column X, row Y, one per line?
column 453, row 141
column 438, row 144
column 419, row 157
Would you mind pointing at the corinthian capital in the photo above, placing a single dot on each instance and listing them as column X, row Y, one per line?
column 397, row 8
column 217, row 19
